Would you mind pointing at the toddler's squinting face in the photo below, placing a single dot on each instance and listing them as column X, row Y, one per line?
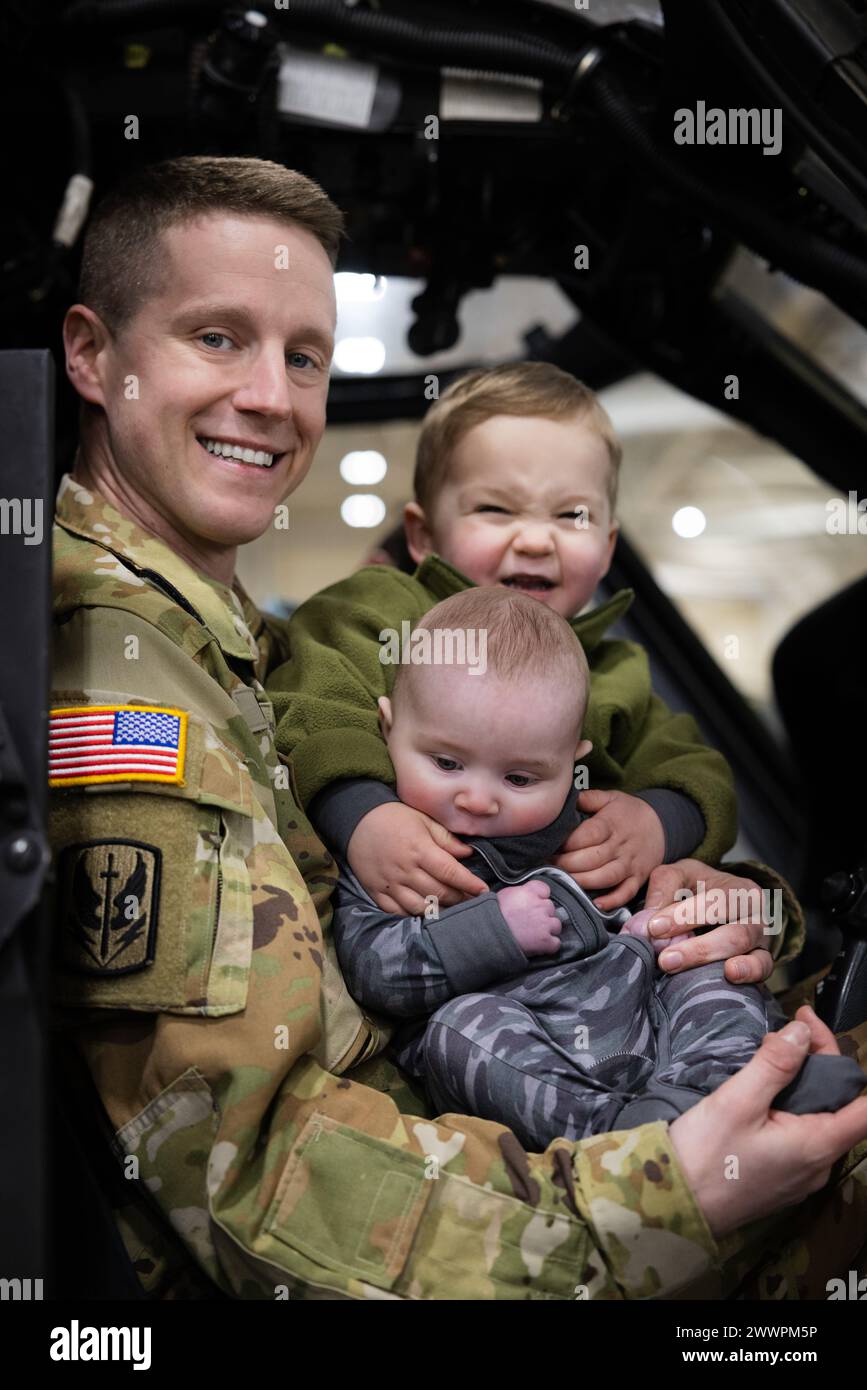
column 482, row 755
column 507, row 511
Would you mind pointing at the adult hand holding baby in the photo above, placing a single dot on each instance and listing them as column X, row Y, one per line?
column 404, row 857
column 616, row 847
column 741, row 942
column 782, row 1158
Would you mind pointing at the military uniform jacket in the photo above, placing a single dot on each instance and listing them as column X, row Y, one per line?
column 192, row 973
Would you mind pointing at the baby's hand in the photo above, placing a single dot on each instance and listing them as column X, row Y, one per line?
column 637, row 926
column 532, row 917
column 617, row 847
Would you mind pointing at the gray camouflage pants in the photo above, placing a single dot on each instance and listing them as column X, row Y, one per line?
column 622, row 1045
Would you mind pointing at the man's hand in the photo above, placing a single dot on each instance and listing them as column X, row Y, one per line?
column 782, row 1158
column 617, row 848
column 401, row 857
column 532, row 917
column 740, row 941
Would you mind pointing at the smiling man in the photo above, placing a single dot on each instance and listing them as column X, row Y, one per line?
column 194, row 966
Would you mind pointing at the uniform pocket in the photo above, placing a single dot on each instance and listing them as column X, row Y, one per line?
column 349, row 1204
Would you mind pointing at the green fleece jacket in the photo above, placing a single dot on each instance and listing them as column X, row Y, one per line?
column 325, row 698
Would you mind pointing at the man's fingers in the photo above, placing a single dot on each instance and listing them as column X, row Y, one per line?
column 662, row 885
column 751, row 969
column 822, row 1040
column 733, row 939
column 751, row 1091
column 842, row 1130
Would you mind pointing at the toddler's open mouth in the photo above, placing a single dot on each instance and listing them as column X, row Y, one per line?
column 528, row 581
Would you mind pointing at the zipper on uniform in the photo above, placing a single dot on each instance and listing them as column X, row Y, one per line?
column 220, row 876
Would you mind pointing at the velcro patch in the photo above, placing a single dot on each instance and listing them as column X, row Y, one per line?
column 116, row 743
column 110, row 891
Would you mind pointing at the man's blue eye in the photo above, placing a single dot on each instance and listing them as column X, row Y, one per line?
column 214, row 334
column 304, row 355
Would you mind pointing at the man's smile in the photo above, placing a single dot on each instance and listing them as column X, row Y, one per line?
column 244, row 451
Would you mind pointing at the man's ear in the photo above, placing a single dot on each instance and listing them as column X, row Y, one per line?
column 386, row 718
column 85, row 338
column 419, row 542
column 583, row 749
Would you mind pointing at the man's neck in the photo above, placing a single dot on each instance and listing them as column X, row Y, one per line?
column 212, row 561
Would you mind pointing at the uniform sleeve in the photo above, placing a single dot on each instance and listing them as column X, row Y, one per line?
column 407, row 966
column 325, row 697
column 200, row 1015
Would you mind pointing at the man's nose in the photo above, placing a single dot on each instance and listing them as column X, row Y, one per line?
column 266, row 389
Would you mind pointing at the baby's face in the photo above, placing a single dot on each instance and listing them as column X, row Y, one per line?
column 507, row 514
column 483, row 756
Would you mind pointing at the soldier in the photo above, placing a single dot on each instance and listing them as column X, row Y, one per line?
column 194, row 968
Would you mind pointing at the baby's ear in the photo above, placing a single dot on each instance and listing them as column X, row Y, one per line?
column 385, row 715
column 584, row 747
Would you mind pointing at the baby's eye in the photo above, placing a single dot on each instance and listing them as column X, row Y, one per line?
column 445, row 764
column 520, row 779
column 489, row 507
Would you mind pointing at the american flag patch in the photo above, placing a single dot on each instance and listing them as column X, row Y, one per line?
column 116, row 743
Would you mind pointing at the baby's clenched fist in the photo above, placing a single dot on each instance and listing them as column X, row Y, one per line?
column 532, row 917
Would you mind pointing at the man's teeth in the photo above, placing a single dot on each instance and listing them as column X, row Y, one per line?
column 234, row 451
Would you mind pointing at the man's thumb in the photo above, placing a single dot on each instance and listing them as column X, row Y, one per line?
column 774, row 1065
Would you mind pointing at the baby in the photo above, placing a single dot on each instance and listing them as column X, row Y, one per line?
column 527, row 1004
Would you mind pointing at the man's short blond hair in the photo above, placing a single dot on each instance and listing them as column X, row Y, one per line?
column 518, row 388
column 123, row 261
column 524, row 638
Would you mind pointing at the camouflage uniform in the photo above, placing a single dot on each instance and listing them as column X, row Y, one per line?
column 219, row 1035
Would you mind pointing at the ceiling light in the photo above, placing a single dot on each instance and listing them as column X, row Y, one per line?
column 362, row 509
column 360, row 356
column 688, row 522
column 363, row 468
column 359, row 289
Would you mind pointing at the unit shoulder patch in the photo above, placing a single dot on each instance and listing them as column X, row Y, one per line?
column 110, row 891
column 116, row 743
